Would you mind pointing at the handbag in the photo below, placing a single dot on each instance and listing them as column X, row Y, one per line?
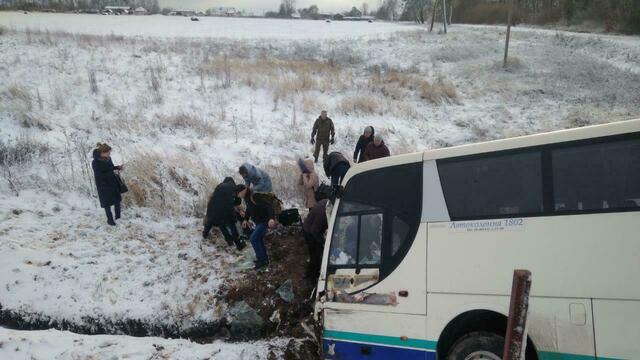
column 123, row 187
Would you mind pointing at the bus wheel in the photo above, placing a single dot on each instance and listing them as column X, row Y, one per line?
column 478, row 346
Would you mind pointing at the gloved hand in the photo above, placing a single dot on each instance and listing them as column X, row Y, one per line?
column 313, row 141
column 333, row 141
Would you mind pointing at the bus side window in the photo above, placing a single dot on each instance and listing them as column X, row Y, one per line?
column 370, row 245
column 494, row 185
column 343, row 245
column 594, row 177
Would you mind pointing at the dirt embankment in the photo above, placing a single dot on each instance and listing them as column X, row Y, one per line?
column 288, row 257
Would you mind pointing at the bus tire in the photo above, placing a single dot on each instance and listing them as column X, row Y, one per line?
column 479, row 345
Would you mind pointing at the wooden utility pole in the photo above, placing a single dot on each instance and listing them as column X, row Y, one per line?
column 444, row 15
column 506, row 45
column 515, row 342
column 433, row 14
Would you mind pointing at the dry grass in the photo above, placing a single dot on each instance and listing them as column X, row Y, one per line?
column 284, row 178
column 176, row 185
column 20, row 95
column 361, row 105
column 440, row 91
column 397, row 85
column 186, row 121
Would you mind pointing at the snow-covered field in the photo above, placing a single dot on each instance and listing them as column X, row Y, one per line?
column 53, row 344
column 184, row 104
column 178, row 26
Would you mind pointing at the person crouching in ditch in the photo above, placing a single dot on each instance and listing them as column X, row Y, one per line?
column 221, row 212
column 107, row 183
column 262, row 214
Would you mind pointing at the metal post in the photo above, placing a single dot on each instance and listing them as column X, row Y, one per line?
column 506, row 46
column 515, row 342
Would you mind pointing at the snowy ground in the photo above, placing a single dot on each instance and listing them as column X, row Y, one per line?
column 182, row 113
column 53, row 344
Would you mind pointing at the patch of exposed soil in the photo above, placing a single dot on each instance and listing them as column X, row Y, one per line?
column 288, row 256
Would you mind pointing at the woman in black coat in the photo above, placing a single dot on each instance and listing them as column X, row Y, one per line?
column 365, row 139
column 107, row 183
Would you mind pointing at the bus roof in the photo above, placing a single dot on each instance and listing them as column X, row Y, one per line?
column 587, row 132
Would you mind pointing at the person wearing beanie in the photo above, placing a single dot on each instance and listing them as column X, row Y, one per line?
column 365, row 139
column 107, row 182
column 376, row 149
column 221, row 213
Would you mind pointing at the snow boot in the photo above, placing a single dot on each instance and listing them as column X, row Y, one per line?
column 109, row 217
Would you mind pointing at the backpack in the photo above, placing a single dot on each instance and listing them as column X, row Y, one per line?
column 289, row 217
column 271, row 199
column 323, row 191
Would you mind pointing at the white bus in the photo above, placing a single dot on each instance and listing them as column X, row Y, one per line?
column 421, row 250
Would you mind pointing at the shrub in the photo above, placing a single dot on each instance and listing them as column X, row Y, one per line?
column 15, row 156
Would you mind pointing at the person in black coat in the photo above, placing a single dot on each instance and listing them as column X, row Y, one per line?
column 107, row 183
column 365, row 139
column 221, row 212
column 336, row 167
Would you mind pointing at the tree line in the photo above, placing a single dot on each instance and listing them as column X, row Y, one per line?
column 151, row 6
column 612, row 15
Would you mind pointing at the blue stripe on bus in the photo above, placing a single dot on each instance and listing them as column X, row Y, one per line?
column 380, row 339
column 344, row 350
column 350, row 346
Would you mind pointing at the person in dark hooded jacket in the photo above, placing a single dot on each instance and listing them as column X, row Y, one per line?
column 376, row 149
column 365, row 139
column 107, row 183
column 261, row 212
column 221, row 212
column 336, row 167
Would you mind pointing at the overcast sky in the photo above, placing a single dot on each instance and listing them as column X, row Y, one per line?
column 260, row 6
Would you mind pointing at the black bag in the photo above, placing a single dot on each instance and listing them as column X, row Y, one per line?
column 289, row 217
column 323, row 191
column 121, row 184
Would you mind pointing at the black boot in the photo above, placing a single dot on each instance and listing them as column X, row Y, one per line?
column 117, row 208
column 240, row 244
column 109, row 216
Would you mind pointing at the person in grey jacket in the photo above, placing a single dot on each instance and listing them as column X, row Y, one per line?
column 255, row 179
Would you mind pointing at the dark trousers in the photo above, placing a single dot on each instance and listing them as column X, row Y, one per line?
column 257, row 242
column 315, row 245
column 325, row 148
column 338, row 173
column 117, row 209
column 230, row 233
column 228, row 230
